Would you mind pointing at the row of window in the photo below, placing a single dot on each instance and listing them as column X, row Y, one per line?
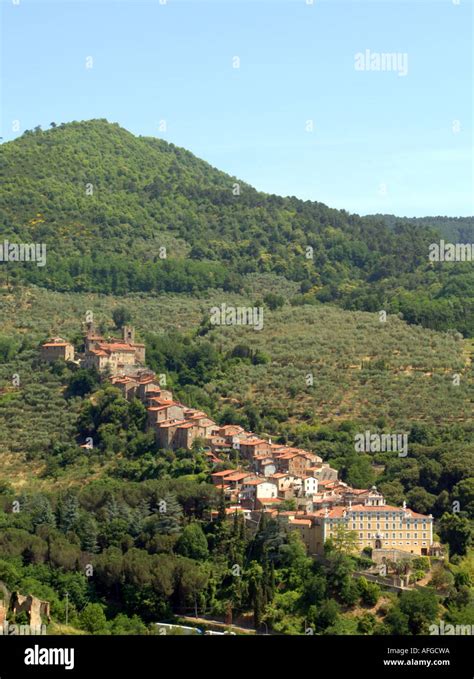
column 368, row 526
column 402, row 536
column 407, row 542
column 405, row 535
column 362, row 515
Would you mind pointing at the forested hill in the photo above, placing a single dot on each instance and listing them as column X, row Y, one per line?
column 121, row 213
column 456, row 229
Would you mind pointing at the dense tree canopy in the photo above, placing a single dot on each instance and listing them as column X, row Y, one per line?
column 120, row 213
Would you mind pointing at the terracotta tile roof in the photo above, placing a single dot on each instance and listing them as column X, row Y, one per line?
column 170, row 423
column 116, row 346
column 380, row 508
column 338, row 511
column 389, row 508
column 55, row 344
column 161, row 401
column 238, row 476
column 333, row 513
column 98, row 352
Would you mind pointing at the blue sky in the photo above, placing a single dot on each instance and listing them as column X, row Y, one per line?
column 381, row 141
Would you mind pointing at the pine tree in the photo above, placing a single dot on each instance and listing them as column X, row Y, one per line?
column 42, row 512
column 168, row 515
column 88, row 532
column 111, row 508
column 139, row 516
column 68, row 512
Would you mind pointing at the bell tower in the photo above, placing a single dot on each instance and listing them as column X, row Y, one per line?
column 128, row 334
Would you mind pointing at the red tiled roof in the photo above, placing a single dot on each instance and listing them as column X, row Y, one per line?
column 379, row 508
column 161, row 401
column 338, row 511
column 116, row 346
column 170, row 423
column 164, row 405
column 55, row 344
column 333, row 513
column 189, row 425
column 388, row 508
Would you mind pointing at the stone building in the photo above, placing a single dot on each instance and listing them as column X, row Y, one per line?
column 113, row 354
column 57, row 348
column 379, row 526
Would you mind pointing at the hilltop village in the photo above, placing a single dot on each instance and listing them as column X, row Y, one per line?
column 262, row 474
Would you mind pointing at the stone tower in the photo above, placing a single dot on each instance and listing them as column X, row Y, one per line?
column 128, row 334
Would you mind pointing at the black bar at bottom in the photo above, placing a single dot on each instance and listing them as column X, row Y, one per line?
column 228, row 656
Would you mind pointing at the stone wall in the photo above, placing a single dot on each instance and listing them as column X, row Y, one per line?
column 37, row 610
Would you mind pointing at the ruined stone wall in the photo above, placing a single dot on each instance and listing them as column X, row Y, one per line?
column 3, row 612
column 35, row 608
